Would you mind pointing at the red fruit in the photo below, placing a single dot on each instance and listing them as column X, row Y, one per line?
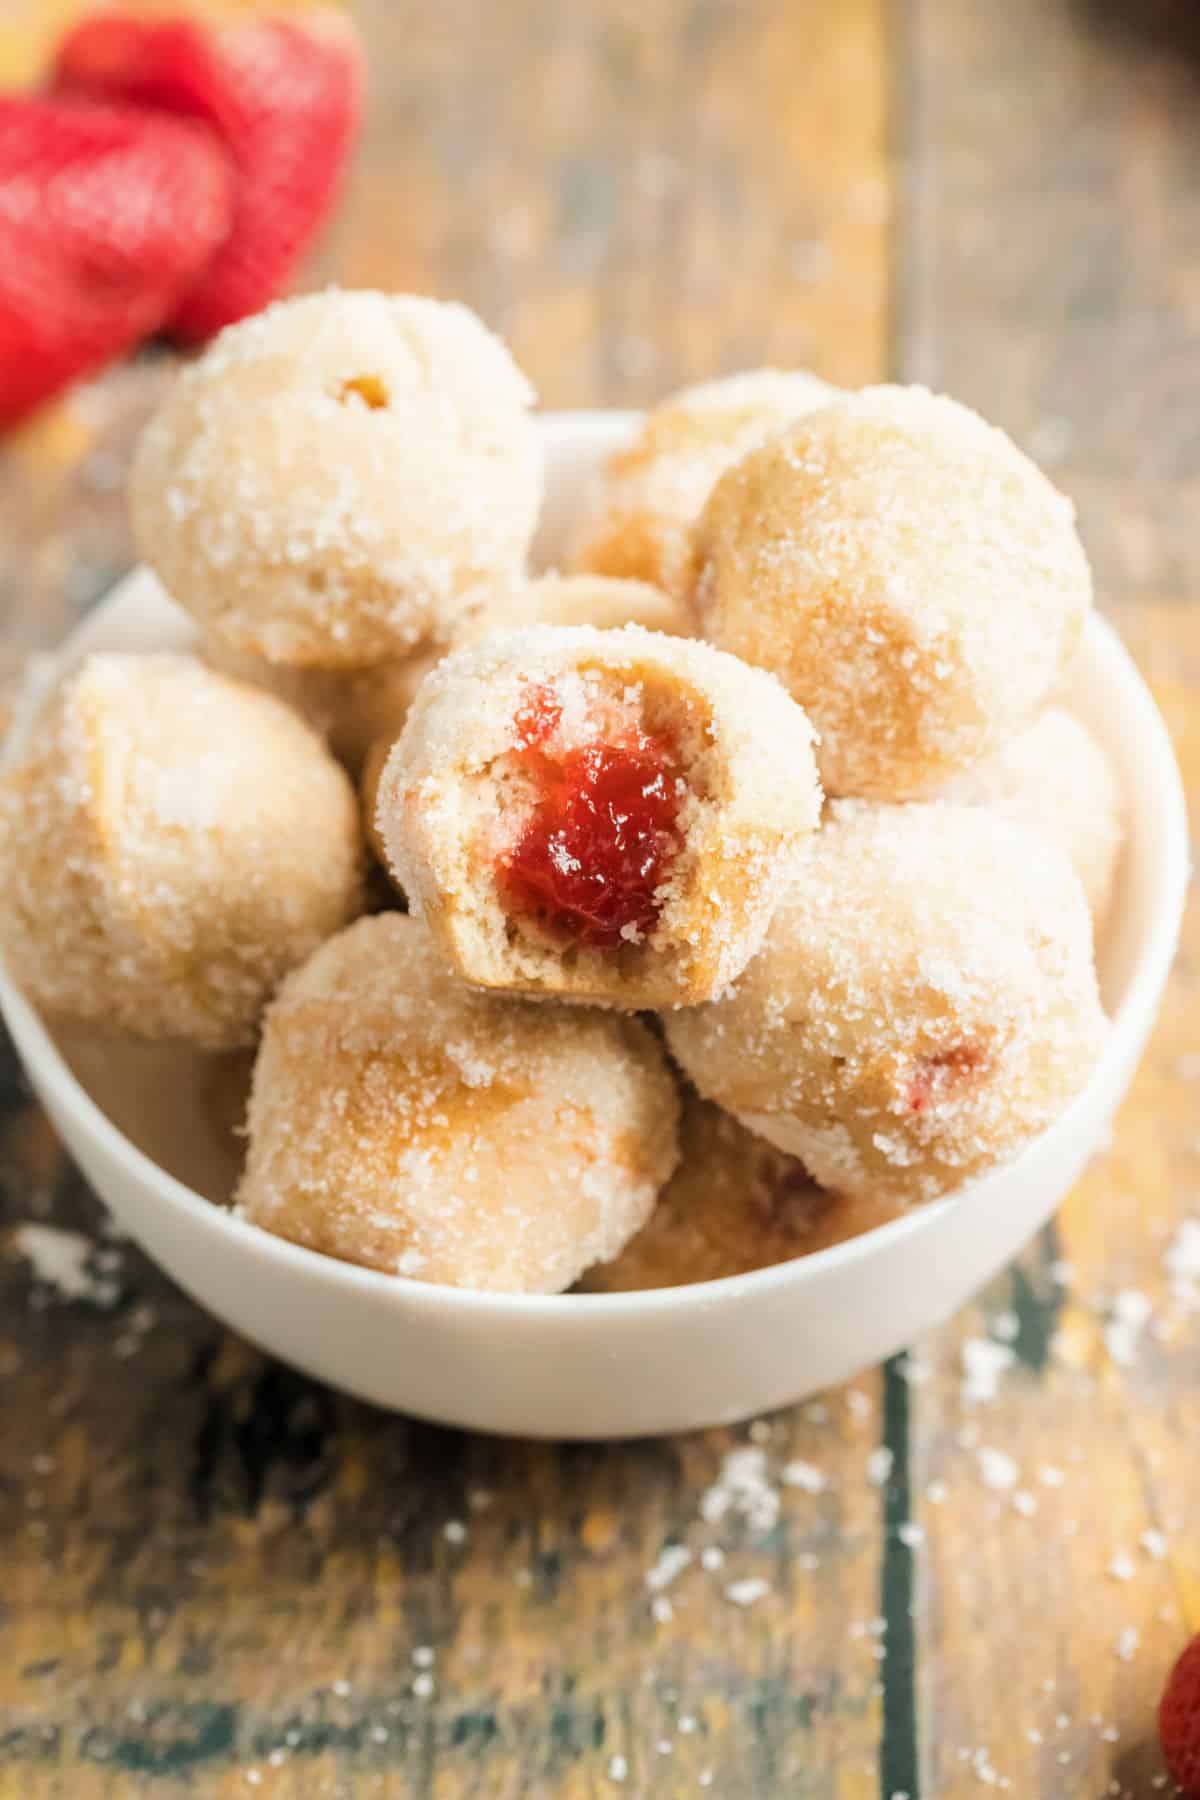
column 107, row 215
column 1179, row 1721
column 285, row 98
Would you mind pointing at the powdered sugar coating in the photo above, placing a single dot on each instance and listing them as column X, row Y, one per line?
column 327, row 483
column 451, row 802
column 351, row 708
column 1060, row 781
column 399, row 1120
column 606, row 601
column 640, row 519
column 925, row 1003
column 734, row 1204
column 912, row 578
column 171, row 844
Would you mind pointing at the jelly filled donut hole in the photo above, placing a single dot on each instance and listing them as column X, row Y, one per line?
column 594, row 813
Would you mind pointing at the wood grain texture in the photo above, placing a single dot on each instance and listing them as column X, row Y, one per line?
column 219, row 1576
column 1051, row 277
column 216, row 1573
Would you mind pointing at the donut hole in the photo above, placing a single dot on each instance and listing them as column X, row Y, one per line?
column 368, row 390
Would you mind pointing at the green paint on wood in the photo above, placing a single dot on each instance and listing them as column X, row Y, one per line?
column 1037, row 1301
column 211, row 1733
column 898, row 1759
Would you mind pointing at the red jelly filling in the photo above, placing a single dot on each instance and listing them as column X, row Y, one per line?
column 937, row 1075
column 603, row 833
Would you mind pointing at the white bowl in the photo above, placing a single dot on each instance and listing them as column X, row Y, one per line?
column 619, row 1365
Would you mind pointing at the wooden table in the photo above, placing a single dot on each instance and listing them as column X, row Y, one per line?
column 220, row 1579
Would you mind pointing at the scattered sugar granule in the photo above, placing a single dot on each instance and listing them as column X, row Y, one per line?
column 454, row 1531
column 664, row 1746
column 618, row 1769
column 661, row 1610
column 379, row 1735
column 967, row 1435
column 1062, row 1273
column 1154, row 1543
column 686, row 1723
column 743, row 1488
column 1024, row 1503
column 1033, row 1735
column 423, row 1656
column 858, row 1404
column 879, row 1465
column 59, row 1260
column 936, row 1493
column 997, row 1469
column 422, row 1686
column 1129, row 1316
column 983, row 1364
column 760, row 1431
column 1111, row 1735
column 1122, row 1567
column 804, row 1475
column 1181, row 1262
column 913, row 1369
column 712, row 1556
column 1126, row 1646
column 341, row 1688
column 673, row 1559
column 1050, row 1477
column 1006, row 1326
column 911, row 1535
column 747, row 1591
column 705, row 1778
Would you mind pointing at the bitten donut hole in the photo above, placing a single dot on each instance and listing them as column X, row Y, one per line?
column 603, row 778
column 368, row 390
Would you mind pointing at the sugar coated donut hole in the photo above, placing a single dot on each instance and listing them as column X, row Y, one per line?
column 1057, row 779
column 400, row 1120
column 327, row 483
column 925, row 1003
column 599, row 600
column 172, row 843
column 653, row 490
column 735, row 1204
column 911, row 577
column 608, row 816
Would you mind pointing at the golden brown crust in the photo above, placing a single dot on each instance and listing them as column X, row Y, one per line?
column 925, row 1002
column 913, row 580
column 654, row 489
column 447, row 1135
column 734, row 1204
column 327, row 483
column 171, row 844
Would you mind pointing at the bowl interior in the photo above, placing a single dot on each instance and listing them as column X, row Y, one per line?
column 181, row 1108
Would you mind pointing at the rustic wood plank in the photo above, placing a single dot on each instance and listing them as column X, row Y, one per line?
column 217, row 1574
column 1052, row 265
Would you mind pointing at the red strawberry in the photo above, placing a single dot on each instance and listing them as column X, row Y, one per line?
column 284, row 96
column 107, row 215
column 1179, row 1721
